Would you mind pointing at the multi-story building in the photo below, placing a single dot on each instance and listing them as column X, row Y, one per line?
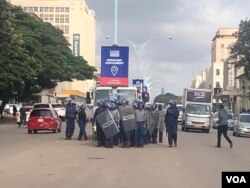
column 78, row 24
column 199, row 80
column 223, row 74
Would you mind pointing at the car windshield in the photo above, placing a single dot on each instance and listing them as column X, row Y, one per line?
column 102, row 94
column 41, row 106
column 230, row 116
column 245, row 118
column 57, row 106
column 199, row 109
column 41, row 113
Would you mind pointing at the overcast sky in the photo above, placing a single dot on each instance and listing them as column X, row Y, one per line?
column 192, row 23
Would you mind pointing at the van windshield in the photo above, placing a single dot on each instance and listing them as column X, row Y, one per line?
column 245, row 118
column 199, row 109
column 41, row 113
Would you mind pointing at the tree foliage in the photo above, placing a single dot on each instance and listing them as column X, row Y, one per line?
column 34, row 55
column 165, row 98
column 240, row 52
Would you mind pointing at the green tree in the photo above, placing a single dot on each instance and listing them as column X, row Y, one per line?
column 34, row 55
column 165, row 98
column 240, row 52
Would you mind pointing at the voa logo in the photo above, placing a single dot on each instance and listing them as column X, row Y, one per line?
column 236, row 179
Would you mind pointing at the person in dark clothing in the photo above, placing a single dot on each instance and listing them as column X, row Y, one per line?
column 14, row 111
column 22, row 112
column 223, row 127
column 82, row 120
column 99, row 133
column 70, row 116
column 171, row 122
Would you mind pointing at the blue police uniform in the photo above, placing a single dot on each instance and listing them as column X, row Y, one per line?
column 99, row 133
column 171, row 122
column 82, row 120
column 70, row 115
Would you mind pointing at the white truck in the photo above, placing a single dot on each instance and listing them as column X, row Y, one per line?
column 197, row 109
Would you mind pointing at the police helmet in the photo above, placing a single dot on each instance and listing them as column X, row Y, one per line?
column 172, row 102
column 113, row 100
column 140, row 104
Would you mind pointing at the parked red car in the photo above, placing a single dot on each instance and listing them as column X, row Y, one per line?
column 44, row 119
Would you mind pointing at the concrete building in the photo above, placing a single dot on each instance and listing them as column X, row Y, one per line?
column 199, row 80
column 78, row 24
column 223, row 74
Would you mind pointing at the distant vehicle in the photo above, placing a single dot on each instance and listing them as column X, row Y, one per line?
column 42, row 105
column 60, row 109
column 44, row 119
column 28, row 111
column 242, row 125
column 8, row 109
column 230, row 121
column 179, row 106
column 197, row 109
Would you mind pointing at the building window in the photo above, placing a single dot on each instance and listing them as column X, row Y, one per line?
column 61, row 20
column 46, row 9
column 35, row 9
column 66, row 31
column 25, row 9
column 41, row 9
column 62, row 9
column 66, row 9
column 57, row 20
column 57, row 9
column 217, row 84
column 51, row 9
column 31, row 9
column 66, row 20
column 217, row 72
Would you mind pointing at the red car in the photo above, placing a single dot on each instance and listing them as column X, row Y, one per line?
column 44, row 119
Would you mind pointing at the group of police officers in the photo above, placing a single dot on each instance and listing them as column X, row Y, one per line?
column 132, row 125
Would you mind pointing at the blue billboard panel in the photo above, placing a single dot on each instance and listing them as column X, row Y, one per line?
column 114, row 65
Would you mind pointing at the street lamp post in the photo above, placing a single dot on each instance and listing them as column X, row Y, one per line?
column 139, row 49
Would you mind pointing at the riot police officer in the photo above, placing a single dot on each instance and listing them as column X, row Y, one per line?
column 70, row 115
column 82, row 120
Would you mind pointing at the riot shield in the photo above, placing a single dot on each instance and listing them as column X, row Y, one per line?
column 127, row 119
column 150, row 123
column 107, row 124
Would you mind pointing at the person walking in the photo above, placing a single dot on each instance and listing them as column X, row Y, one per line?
column 70, row 116
column 155, row 119
column 223, row 127
column 22, row 112
column 14, row 111
column 82, row 120
column 171, row 122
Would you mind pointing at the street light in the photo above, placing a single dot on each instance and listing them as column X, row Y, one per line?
column 139, row 49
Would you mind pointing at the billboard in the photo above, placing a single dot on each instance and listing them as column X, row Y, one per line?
column 114, row 66
column 199, row 96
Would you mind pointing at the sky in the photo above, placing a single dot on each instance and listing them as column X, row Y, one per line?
column 167, row 63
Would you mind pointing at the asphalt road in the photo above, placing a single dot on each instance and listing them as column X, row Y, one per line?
column 47, row 160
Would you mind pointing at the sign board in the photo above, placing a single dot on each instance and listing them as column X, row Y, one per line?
column 114, row 66
column 199, row 96
column 138, row 82
column 76, row 44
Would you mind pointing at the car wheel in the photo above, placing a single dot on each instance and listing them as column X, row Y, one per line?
column 29, row 132
column 35, row 131
column 54, row 131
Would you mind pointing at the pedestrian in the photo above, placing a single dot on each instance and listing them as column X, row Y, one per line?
column 140, row 118
column 14, row 111
column 171, row 122
column 70, row 116
column 149, row 128
column 223, row 127
column 100, row 137
column 22, row 112
column 161, row 124
column 82, row 120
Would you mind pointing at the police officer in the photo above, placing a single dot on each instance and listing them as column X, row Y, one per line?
column 99, row 133
column 223, row 127
column 22, row 112
column 171, row 122
column 70, row 116
column 140, row 118
column 161, row 124
column 155, row 119
column 82, row 120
